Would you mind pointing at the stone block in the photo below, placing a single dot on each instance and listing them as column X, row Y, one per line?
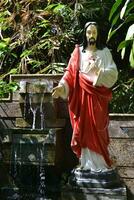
column 21, row 122
column 10, row 109
column 28, row 147
column 6, row 123
column 48, row 123
column 119, row 128
column 122, row 151
column 79, row 193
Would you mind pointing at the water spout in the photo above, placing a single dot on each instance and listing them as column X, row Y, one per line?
column 33, row 107
column 41, row 113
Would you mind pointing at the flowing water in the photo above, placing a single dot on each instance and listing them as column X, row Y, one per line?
column 29, row 166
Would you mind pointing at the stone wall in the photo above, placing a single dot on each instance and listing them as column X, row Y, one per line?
column 121, row 129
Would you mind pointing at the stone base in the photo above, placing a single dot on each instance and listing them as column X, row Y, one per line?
column 87, row 185
column 79, row 193
column 86, row 178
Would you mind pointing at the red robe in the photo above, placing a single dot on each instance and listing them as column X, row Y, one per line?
column 88, row 109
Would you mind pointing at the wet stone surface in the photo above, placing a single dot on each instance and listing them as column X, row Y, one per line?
column 33, row 184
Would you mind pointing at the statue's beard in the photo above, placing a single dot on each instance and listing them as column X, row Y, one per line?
column 91, row 41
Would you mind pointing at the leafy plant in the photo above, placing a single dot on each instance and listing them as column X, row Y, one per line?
column 43, row 34
column 123, row 94
column 122, row 15
column 38, row 35
column 6, row 88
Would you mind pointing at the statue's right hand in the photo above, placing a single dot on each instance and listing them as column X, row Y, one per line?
column 58, row 91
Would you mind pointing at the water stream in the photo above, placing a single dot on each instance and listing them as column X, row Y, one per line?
column 33, row 107
column 42, row 185
column 42, row 113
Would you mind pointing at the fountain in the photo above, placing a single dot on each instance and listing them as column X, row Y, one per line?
column 33, row 147
column 37, row 94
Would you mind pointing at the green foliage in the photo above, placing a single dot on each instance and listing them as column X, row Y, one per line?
column 39, row 35
column 5, row 88
column 121, row 15
column 123, row 94
column 34, row 35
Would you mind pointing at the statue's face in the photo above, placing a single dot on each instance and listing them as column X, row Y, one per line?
column 91, row 34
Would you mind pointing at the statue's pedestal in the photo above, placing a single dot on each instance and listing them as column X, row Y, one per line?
column 85, row 185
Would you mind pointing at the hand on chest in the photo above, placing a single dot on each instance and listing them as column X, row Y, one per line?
column 90, row 61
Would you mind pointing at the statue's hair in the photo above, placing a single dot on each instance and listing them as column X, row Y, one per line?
column 99, row 43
